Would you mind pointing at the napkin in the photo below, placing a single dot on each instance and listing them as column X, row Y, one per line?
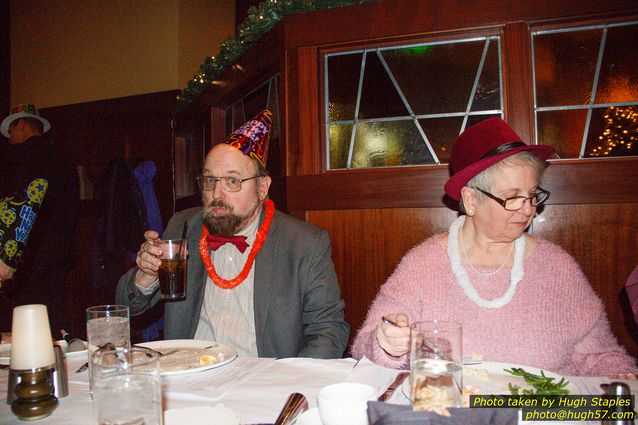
column 201, row 415
column 367, row 372
column 380, row 413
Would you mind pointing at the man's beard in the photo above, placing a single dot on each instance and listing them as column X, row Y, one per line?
column 228, row 224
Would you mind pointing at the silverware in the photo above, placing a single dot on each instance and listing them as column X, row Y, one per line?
column 108, row 346
column 160, row 353
column 390, row 322
column 82, row 368
column 393, row 386
column 294, row 406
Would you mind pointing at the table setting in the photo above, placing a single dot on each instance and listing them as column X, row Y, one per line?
column 197, row 382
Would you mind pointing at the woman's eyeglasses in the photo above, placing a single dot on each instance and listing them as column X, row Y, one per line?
column 515, row 203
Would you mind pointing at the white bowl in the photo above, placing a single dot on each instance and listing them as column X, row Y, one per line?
column 345, row 403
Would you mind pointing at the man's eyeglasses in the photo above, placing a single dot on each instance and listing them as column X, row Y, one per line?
column 230, row 184
column 515, row 203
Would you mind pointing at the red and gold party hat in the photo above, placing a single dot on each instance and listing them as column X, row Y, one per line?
column 252, row 138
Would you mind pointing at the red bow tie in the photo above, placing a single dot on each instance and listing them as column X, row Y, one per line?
column 214, row 242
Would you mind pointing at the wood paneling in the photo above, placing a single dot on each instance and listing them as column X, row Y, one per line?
column 570, row 182
column 603, row 240
column 367, row 245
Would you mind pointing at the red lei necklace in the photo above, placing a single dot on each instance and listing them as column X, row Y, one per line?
column 262, row 233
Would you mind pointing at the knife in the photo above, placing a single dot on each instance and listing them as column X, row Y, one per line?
column 393, row 386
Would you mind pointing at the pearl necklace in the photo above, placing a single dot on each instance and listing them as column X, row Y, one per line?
column 492, row 273
column 463, row 278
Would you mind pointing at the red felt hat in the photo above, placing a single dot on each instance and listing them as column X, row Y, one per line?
column 481, row 146
column 252, row 138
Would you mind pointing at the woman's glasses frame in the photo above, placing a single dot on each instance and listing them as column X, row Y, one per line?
column 538, row 198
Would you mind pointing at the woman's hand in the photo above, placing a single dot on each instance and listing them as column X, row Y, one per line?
column 394, row 339
column 625, row 376
column 147, row 259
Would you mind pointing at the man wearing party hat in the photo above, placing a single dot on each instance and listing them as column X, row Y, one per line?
column 32, row 167
column 258, row 279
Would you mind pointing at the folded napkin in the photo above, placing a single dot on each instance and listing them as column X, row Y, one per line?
column 201, row 415
column 380, row 413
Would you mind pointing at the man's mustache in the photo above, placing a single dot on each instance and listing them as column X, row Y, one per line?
column 219, row 204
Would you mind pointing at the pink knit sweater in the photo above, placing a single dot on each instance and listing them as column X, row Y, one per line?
column 555, row 320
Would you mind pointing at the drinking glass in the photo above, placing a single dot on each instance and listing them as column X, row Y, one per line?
column 172, row 271
column 106, row 324
column 127, row 388
column 436, row 364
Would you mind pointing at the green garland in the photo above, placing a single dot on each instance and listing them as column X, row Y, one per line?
column 260, row 20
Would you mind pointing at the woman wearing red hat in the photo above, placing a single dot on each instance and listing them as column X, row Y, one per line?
column 519, row 298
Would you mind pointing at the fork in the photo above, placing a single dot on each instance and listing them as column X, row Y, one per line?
column 160, row 353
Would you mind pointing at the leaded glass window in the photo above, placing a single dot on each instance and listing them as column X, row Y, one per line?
column 405, row 105
column 586, row 90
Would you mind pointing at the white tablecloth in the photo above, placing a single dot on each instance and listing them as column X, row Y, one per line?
column 254, row 388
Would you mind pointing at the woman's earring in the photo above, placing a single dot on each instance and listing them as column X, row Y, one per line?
column 470, row 212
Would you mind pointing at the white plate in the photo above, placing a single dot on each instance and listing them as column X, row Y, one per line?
column 5, row 352
column 186, row 359
column 491, row 378
column 309, row 417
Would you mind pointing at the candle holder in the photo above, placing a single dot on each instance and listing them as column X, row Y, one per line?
column 33, row 395
column 30, row 386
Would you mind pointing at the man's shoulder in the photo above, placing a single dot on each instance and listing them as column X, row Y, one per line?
column 187, row 214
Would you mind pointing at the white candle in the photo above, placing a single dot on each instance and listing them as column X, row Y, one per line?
column 31, row 342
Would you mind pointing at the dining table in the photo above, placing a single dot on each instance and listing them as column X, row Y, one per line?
column 250, row 390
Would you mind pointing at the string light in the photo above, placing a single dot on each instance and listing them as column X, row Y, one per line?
column 620, row 132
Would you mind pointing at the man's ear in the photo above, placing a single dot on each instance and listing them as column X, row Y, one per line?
column 264, row 186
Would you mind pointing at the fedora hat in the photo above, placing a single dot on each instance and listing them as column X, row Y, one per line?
column 22, row 111
column 481, row 146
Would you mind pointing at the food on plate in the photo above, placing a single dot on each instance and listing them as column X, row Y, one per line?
column 186, row 358
column 476, row 373
column 207, row 359
column 541, row 384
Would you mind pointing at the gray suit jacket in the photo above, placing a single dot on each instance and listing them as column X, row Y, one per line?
column 298, row 308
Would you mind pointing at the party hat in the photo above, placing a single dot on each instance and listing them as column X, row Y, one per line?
column 26, row 110
column 252, row 138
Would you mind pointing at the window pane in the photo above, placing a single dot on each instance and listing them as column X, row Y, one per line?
column 441, row 133
column 339, row 145
column 256, row 101
column 564, row 66
column 619, row 70
column 563, row 130
column 379, row 97
column 488, row 92
column 613, row 132
column 394, row 143
column 430, row 82
column 238, row 118
column 343, row 82
column 273, row 106
column 229, row 121
column 438, row 78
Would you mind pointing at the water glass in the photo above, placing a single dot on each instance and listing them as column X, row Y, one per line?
column 127, row 388
column 172, row 271
column 436, row 364
column 106, row 324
